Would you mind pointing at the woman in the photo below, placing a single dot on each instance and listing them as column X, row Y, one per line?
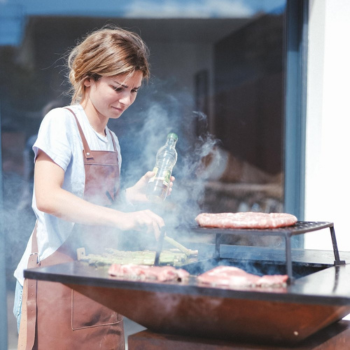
column 77, row 167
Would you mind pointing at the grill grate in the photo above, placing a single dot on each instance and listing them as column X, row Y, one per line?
column 300, row 227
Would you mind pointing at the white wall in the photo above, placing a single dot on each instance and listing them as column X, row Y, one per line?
column 328, row 122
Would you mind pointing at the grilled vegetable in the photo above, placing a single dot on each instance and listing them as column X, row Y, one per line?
column 146, row 257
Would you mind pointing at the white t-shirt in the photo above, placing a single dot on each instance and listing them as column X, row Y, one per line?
column 59, row 138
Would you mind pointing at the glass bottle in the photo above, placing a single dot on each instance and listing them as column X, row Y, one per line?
column 158, row 185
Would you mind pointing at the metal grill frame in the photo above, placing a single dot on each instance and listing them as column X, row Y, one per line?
column 300, row 227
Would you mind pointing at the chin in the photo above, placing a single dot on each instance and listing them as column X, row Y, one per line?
column 114, row 116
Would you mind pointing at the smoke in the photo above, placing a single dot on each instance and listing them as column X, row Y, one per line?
column 161, row 108
column 164, row 108
column 18, row 221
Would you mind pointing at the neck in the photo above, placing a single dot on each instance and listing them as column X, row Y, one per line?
column 96, row 120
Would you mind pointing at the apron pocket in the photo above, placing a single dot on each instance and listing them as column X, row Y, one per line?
column 86, row 313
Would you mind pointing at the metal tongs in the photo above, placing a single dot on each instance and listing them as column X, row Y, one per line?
column 162, row 237
column 159, row 246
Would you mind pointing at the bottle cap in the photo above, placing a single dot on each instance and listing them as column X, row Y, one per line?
column 172, row 136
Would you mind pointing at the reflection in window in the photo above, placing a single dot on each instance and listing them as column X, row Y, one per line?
column 217, row 81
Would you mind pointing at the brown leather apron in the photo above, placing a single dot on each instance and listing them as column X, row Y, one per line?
column 58, row 317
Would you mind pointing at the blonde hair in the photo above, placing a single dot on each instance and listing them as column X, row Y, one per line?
column 106, row 52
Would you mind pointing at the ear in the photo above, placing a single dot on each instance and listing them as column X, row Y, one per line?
column 87, row 82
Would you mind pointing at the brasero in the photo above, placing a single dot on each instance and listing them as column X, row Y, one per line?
column 250, row 220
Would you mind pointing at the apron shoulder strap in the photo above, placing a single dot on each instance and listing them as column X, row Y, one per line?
column 87, row 151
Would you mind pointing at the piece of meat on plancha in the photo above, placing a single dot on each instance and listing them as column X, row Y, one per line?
column 150, row 273
column 230, row 277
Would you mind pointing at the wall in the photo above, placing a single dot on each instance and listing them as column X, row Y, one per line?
column 328, row 122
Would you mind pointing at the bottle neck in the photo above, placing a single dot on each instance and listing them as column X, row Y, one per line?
column 171, row 143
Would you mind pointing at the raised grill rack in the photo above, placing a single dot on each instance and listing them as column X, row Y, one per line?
column 300, row 227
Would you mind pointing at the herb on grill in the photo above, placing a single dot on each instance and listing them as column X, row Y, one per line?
column 112, row 256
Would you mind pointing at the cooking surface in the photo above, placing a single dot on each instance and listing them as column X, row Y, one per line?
column 280, row 316
column 329, row 286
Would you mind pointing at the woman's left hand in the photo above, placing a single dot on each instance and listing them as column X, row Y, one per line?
column 137, row 193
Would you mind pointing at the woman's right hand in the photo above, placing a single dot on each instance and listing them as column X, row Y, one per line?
column 142, row 221
column 52, row 199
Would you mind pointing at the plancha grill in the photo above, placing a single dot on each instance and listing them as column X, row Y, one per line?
column 318, row 297
column 300, row 227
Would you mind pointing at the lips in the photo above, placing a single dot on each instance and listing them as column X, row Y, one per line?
column 121, row 110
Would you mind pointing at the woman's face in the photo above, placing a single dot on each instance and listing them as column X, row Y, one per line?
column 111, row 96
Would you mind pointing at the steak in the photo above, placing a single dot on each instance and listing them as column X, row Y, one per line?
column 229, row 276
column 250, row 220
column 151, row 273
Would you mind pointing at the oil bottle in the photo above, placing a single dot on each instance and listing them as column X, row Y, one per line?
column 158, row 185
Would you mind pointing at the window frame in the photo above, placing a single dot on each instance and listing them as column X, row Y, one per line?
column 297, row 12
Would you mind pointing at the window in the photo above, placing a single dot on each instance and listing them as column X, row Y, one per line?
column 218, row 70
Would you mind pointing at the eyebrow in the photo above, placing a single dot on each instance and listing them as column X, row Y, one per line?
column 125, row 86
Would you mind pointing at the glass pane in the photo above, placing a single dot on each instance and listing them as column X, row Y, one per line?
column 217, row 81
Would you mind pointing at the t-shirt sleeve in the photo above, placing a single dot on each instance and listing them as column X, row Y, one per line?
column 55, row 137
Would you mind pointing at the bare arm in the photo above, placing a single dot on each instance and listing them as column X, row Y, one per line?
column 52, row 199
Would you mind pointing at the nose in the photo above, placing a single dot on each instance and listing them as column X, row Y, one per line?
column 126, row 99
